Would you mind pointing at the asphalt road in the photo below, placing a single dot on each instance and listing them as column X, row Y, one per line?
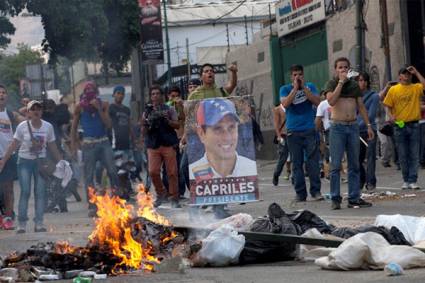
column 75, row 226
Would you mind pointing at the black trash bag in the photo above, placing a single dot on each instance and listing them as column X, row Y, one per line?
column 306, row 219
column 393, row 236
column 256, row 251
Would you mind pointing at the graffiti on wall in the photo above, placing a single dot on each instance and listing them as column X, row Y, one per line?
column 263, row 104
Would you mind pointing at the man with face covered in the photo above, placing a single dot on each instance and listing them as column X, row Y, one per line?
column 93, row 115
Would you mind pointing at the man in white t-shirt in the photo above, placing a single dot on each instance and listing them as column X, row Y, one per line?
column 8, row 121
column 322, row 121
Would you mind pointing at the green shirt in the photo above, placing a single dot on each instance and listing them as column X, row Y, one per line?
column 203, row 92
column 349, row 89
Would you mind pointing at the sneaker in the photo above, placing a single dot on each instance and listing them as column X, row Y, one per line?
column 286, row 177
column 359, row 203
column 22, row 228
column 157, row 202
column 39, row 228
column 92, row 213
column 318, row 197
column 344, row 180
column 336, row 205
column 175, row 204
column 412, row 186
column 8, row 224
column 370, row 187
column 386, row 164
column 275, row 180
column 297, row 199
column 405, row 186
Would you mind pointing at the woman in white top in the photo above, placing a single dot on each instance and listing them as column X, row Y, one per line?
column 34, row 136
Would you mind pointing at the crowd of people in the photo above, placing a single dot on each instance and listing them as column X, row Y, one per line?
column 316, row 132
column 341, row 123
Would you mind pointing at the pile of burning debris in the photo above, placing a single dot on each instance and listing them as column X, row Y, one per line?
column 124, row 240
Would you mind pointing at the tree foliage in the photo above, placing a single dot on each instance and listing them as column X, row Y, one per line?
column 12, row 68
column 8, row 8
column 95, row 30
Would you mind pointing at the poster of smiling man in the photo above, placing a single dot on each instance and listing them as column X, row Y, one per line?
column 151, row 32
column 221, row 152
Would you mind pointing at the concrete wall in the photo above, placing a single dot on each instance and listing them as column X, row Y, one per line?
column 254, row 78
column 203, row 36
column 340, row 29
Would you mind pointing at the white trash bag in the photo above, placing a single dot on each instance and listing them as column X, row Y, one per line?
column 222, row 247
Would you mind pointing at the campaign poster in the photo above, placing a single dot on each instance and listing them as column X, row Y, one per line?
column 221, row 151
column 151, row 32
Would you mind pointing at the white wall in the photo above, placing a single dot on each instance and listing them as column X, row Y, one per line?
column 204, row 36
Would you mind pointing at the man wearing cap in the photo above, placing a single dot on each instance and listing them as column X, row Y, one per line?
column 93, row 114
column 217, row 128
column 403, row 103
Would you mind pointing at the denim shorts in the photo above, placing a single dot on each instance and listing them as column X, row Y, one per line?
column 9, row 172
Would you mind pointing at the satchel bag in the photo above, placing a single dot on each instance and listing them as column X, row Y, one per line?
column 45, row 166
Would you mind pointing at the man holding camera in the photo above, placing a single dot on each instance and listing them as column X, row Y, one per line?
column 345, row 97
column 299, row 99
column 403, row 108
column 159, row 123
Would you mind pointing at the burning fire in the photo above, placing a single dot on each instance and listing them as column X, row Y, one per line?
column 146, row 209
column 113, row 229
column 63, row 247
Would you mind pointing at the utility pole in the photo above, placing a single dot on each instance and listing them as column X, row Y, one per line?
column 228, row 39
column 360, row 60
column 167, row 42
column 187, row 59
column 246, row 29
column 385, row 39
column 270, row 20
column 178, row 53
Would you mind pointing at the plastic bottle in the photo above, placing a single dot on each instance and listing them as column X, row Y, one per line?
column 393, row 269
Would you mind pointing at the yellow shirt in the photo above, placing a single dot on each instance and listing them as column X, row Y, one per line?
column 404, row 101
column 203, row 92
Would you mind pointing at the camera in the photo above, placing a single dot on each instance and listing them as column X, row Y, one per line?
column 154, row 118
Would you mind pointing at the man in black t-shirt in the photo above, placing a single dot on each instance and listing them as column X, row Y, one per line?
column 122, row 134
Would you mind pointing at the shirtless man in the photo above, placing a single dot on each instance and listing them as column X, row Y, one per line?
column 345, row 97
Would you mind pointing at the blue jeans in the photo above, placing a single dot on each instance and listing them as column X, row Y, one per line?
column 344, row 138
column 102, row 152
column 368, row 176
column 27, row 169
column 308, row 143
column 283, row 152
column 184, row 170
column 407, row 142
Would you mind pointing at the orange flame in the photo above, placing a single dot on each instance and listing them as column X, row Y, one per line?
column 113, row 231
column 146, row 209
column 63, row 247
